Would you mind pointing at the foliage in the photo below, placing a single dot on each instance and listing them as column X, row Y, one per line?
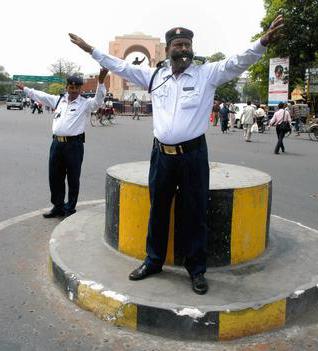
column 299, row 39
column 4, row 76
column 6, row 83
column 227, row 91
column 253, row 91
column 63, row 68
column 218, row 56
column 56, row 88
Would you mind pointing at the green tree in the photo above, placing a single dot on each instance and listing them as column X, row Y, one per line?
column 299, row 40
column 252, row 91
column 218, row 56
column 227, row 91
column 56, row 88
column 6, row 82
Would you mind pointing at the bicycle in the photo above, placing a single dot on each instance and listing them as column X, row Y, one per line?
column 103, row 115
column 311, row 129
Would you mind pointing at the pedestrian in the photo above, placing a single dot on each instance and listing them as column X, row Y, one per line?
column 248, row 118
column 67, row 150
column 136, row 109
column 36, row 106
column 260, row 115
column 224, row 118
column 109, row 109
column 181, row 93
column 280, row 116
column 232, row 116
column 295, row 116
column 215, row 113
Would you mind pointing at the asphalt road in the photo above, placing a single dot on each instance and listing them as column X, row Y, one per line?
column 25, row 141
column 34, row 315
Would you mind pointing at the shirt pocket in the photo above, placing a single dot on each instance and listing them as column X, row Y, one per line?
column 189, row 99
column 159, row 97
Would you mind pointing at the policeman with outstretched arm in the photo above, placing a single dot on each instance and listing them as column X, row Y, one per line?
column 182, row 94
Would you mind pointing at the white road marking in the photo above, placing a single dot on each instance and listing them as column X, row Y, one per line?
column 299, row 224
column 14, row 220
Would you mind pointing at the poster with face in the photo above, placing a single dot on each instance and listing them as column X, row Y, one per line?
column 278, row 80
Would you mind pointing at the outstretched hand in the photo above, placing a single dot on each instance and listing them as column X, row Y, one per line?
column 102, row 74
column 271, row 34
column 20, row 85
column 81, row 43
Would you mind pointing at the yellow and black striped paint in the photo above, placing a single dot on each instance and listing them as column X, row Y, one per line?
column 238, row 222
column 211, row 326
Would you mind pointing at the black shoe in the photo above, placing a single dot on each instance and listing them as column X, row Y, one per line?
column 54, row 213
column 142, row 272
column 199, row 284
column 69, row 212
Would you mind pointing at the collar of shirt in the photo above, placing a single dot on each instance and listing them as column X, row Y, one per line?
column 168, row 71
column 76, row 101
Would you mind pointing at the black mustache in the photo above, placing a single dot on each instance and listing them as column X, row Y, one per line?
column 180, row 55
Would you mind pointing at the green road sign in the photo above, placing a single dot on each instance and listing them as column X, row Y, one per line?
column 48, row 79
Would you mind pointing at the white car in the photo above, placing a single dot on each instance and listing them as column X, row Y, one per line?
column 14, row 101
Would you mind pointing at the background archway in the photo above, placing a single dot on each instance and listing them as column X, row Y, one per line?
column 124, row 45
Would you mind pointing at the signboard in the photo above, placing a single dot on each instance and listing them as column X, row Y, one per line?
column 48, row 79
column 312, row 78
column 278, row 80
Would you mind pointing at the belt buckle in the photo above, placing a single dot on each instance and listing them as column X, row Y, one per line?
column 61, row 139
column 169, row 149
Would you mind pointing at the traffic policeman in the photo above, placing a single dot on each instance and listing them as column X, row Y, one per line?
column 182, row 95
column 70, row 112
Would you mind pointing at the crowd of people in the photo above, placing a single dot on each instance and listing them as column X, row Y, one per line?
column 256, row 118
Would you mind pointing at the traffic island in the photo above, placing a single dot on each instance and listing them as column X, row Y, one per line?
column 259, row 295
column 238, row 213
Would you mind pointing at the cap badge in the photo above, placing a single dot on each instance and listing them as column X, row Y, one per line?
column 178, row 31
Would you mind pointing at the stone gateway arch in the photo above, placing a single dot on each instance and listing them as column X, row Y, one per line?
column 124, row 45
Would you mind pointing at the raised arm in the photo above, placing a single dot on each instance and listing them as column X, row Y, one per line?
column 37, row 95
column 98, row 99
column 225, row 70
column 139, row 75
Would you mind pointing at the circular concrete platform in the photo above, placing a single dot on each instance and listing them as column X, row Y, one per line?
column 239, row 207
column 242, row 300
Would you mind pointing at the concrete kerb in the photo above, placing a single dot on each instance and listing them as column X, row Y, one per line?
column 72, row 250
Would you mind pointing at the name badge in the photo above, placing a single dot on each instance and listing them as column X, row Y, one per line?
column 73, row 110
column 188, row 88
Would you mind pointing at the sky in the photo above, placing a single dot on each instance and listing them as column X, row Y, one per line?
column 34, row 34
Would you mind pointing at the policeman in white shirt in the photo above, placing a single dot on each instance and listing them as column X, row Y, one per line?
column 181, row 94
column 66, row 153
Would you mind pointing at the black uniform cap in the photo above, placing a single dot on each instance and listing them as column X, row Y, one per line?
column 74, row 80
column 178, row 32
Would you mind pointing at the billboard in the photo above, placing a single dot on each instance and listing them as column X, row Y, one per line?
column 278, row 80
column 312, row 80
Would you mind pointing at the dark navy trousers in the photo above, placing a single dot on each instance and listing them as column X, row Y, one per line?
column 280, row 137
column 190, row 173
column 65, row 161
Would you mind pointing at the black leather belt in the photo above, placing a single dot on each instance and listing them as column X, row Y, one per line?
column 181, row 148
column 67, row 139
